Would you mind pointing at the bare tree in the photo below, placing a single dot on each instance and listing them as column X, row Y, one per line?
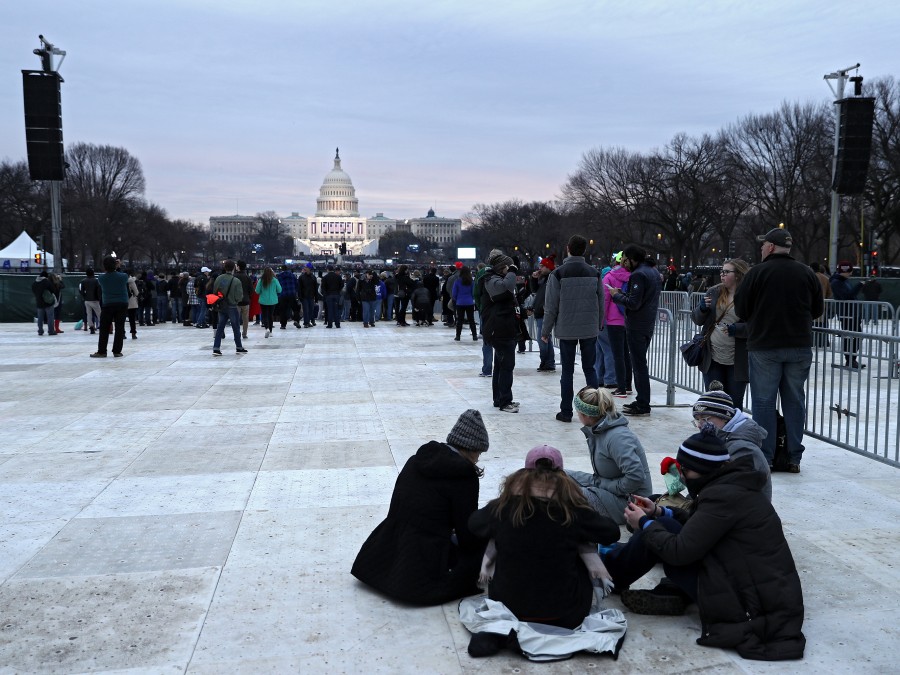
column 782, row 160
column 24, row 204
column 883, row 186
column 102, row 186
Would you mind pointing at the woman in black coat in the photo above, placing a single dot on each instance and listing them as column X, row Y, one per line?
column 537, row 524
column 405, row 287
column 728, row 553
column 423, row 553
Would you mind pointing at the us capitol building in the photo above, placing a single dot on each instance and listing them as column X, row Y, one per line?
column 337, row 221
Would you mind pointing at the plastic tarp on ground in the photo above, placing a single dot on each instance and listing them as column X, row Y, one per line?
column 17, row 301
column 602, row 631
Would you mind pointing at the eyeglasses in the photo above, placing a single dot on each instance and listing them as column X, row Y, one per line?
column 699, row 422
column 724, row 272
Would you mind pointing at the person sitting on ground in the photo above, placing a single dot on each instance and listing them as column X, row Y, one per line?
column 617, row 456
column 727, row 553
column 423, row 552
column 537, row 523
column 741, row 435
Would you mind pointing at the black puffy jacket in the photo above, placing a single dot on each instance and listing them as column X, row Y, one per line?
column 748, row 589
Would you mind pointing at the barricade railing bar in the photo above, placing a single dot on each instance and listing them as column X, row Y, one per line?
column 851, row 407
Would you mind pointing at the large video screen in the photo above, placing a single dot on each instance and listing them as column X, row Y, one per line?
column 466, row 254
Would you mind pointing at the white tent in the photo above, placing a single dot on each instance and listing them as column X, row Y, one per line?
column 19, row 255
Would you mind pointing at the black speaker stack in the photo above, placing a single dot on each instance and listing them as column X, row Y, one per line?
column 854, row 144
column 43, row 125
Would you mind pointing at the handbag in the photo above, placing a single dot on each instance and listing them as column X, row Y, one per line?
column 216, row 301
column 694, row 351
column 48, row 298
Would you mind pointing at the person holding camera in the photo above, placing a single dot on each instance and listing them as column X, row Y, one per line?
column 500, row 310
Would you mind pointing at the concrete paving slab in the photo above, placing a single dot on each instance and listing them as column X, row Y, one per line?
column 92, row 546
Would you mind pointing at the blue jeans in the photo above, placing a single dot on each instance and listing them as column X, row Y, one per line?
column 370, row 311
column 331, row 307
column 388, row 313
column 780, row 371
column 309, row 309
column 620, row 354
column 638, row 346
column 588, row 348
column 162, row 308
column 233, row 314
column 502, row 378
column 725, row 375
column 606, row 362
column 176, row 310
column 201, row 313
column 629, row 562
column 548, row 356
column 45, row 314
column 487, row 352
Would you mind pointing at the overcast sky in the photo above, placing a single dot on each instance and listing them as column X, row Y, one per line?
column 238, row 105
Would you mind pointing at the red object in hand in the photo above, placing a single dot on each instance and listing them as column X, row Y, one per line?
column 667, row 464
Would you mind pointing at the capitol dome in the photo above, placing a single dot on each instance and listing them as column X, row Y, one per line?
column 337, row 196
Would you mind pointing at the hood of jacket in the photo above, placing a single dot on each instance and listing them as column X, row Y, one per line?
column 439, row 460
column 742, row 428
column 605, row 424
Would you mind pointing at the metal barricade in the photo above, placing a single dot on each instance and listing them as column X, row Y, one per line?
column 851, row 407
column 860, row 315
column 855, row 407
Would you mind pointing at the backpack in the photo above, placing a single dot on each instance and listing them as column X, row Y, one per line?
column 478, row 291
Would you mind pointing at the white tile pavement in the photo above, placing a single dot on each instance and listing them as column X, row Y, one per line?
column 167, row 512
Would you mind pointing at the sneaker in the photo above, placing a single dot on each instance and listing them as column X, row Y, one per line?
column 98, row 355
column 216, row 352
column 563, row 417
column 611, row 386
column 635, row 411
column 620, row 393
column 268, row 333
column 793, row 468
column 510, row 408
column 241, row 351
column 118, row 354
column 651, row 602
column 485, row 374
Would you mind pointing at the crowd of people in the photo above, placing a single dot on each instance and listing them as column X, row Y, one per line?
column 553, row 535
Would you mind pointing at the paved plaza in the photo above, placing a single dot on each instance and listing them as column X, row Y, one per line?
column 168, row 512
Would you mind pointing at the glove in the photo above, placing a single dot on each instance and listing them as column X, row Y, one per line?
column 731, row 330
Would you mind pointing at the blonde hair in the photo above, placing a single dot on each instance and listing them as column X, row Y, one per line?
column 740, row 270
column 600, row 398
column 519, row 487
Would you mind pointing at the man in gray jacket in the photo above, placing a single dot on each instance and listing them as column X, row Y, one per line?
column 573, row 305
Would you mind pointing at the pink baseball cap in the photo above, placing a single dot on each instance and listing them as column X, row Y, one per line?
column 545, row 452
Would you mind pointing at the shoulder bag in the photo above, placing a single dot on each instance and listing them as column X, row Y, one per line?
column 694, row 351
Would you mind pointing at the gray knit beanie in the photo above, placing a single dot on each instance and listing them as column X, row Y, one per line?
column 498, row 259
column 469, row 432
column 715, row 403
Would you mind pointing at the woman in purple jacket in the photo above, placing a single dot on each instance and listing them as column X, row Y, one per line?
column 464, row 302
